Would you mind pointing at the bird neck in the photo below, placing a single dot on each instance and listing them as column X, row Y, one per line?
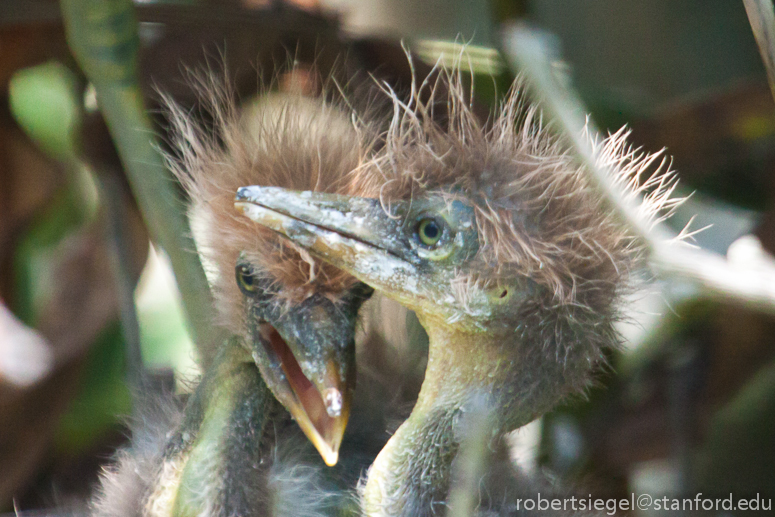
column 411, row 475
column 216, row 451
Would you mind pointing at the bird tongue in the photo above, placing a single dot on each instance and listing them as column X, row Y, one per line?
column 317, row 410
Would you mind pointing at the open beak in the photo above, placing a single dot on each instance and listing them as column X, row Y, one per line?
column 352, row 233
column 316, row 387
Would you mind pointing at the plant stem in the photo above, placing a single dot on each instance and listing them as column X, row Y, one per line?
column 103, row 37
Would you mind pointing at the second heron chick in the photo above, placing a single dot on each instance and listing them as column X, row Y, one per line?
column 295, row 314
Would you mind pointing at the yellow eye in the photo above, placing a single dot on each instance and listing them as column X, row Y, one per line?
column 429, row 231
column 245, row 279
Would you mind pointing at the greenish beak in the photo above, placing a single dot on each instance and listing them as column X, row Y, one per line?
column 352, row 233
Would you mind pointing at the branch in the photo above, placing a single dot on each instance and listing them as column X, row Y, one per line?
column 103, row 38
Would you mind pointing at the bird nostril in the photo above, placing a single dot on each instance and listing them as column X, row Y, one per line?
column 242, row 194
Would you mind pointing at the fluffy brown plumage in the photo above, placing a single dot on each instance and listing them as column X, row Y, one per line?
column 536, row 213
column 282, row 139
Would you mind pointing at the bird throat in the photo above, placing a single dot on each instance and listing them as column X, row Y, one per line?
column 412, row 473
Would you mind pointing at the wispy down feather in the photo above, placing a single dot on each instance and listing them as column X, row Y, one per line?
column 537, row 214
column 282, row 139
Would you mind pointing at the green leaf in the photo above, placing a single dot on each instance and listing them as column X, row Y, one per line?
column 45, row 102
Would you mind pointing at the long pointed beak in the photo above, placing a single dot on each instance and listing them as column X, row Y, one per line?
column 352, row 233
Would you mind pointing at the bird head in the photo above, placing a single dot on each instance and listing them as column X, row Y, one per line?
column 493, row 235
column 296, row 314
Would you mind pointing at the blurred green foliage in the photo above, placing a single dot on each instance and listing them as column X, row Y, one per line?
column 103, row 396
column 45, row 102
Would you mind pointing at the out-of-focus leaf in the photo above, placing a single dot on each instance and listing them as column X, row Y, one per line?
column 739, row 452
column 165, row 342
column 102, row 397
column 44, row 101
column 33, row 254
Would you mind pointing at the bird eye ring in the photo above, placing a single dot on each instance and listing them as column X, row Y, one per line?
column 429, row 231
column 245, row 279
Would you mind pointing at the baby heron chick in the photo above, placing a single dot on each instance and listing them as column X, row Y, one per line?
column 295, row 314
column 511, row 260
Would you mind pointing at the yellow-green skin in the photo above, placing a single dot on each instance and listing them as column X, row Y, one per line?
column 220, row 461
column 211, row 465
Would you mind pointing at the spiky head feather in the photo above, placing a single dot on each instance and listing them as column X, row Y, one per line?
column 536, row 212
column 281, row 139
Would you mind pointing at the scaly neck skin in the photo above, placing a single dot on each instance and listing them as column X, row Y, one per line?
column 411, row 475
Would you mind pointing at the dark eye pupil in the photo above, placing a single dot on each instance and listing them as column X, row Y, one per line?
column 431, row 230
column 245, row 277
